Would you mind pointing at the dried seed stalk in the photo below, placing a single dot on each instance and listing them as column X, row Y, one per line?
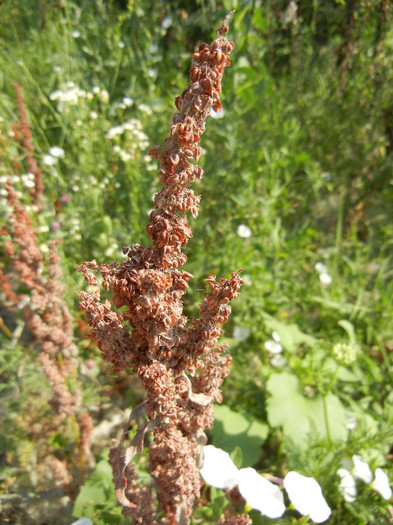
column 180, row 366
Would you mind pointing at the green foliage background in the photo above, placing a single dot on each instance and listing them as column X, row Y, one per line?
column 302, row 156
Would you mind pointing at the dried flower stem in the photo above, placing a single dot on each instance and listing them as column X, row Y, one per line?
column 23, row 135
column 181, row 367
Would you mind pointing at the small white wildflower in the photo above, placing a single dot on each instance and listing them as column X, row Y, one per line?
column 20, row 62
column 306, row 496
column 381, row 484
column 43, row 229
column 125, row 157
column 95, row 90
column 93, row 115
column 276, row 336
column 260, row 493
column 244, row 231
column 76, row 33
column 48, row 160
column 145, row 108
column 120, row 44
column 278, row 361
column 166, row 22
column 112, row 132
column 44, row 248
column 28, row 183
column 361, row 469
column 56, row 151
column 241, row 333
column 273, row 347
column 153, row 49
column 325, row 279
column 217, row 114
column 104, row 95
column 321, row 268
column 347, row 485
column 218, row 469
column 56, row 69
column 89, row 95
column 78, row 122
column 128, row 101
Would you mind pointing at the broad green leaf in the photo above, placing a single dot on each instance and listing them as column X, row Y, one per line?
column 300, row 416
column 232, row 429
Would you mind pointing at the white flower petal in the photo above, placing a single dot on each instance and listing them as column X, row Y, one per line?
column 306, row 496
column 273, row 347
column 56, row 151
column 381, row 484
column 321, row 268
column 325, row 278
column 218, row 469
column 244, row 231
column 361, row 469
column 260, row 494
column 347, row 485
column 276, row 336
column 49, row 160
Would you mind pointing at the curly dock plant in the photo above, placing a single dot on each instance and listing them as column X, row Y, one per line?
column 179, row 363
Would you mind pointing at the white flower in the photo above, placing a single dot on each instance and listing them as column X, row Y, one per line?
column 260, row 493
column 381, row 484
column 278, row 361
column 321, row 268
column 241, row 333
column 153, row 49
column 104, row 95
column 166, row 22
column 93, row 115
column 128, row 101
column 244, row 231
column 306, row 496
column 49, row 160
column 325, row 278
column 76, row 33
column 56, row 69
column 218, row 469
column 361, row 470
column 55, row 151
column 274, row 347
column 120, row 44
column 217, row 114
column 347, row 485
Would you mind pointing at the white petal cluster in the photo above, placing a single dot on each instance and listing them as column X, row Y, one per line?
column 218, row 469
column 244, row 231
column 259, row 493
column 306, row 496
column 361, row 470
column 325, row 278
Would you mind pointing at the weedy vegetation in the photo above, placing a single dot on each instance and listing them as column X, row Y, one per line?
column 297, row 192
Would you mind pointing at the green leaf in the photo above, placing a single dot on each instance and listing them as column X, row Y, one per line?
column 291, row 337
column 232, row 429
column 299, row 416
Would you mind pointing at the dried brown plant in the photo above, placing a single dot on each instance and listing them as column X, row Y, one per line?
column 23, row 135
column 180, row 365
column 46, row 313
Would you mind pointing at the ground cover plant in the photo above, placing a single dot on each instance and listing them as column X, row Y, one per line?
column 297, row 191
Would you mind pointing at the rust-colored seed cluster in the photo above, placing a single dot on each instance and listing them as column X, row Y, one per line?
column 48, row 320
column 179, row 364
column 23, row 135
